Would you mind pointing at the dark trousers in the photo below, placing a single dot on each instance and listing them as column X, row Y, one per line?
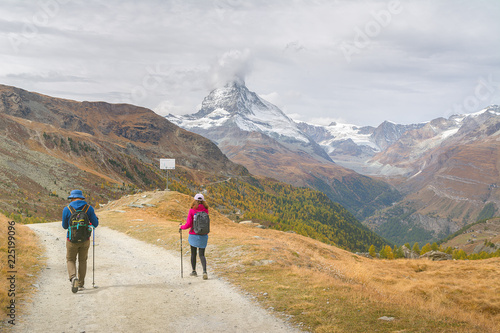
column 202, row 258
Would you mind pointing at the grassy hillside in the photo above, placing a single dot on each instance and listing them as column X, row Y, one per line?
column 316, row 286
column 301, row 210
column 320, row 287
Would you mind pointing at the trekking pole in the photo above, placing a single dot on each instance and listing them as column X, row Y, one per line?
column 180, row 232
column 93, row 257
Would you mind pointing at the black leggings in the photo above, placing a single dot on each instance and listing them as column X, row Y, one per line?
column 202, row 258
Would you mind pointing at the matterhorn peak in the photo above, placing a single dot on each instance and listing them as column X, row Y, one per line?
column 234, row 98
column 236, row 82
column 235, row 106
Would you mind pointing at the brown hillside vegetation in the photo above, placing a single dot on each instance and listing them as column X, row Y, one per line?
column 23, row 252
column 319, row 287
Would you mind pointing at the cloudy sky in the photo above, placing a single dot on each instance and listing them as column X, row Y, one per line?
column 359, row 62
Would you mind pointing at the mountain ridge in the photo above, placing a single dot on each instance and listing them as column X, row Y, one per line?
column 47, row 139
column 270, row 144
column 411, row 158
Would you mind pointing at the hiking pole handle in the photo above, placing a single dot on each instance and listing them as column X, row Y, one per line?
column 180, row 233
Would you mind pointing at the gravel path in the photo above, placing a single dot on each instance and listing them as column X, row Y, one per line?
column 139, row 290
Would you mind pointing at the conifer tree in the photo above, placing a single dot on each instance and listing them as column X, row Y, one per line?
column 426, row 248
column 459, row 254
column 382, row 253
column 398, row 252
column 387, row 253
column 416, row 248
column 371, row 251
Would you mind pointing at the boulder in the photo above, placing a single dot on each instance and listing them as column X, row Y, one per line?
column 364, row 254
column 436, row 256
column 409, row 254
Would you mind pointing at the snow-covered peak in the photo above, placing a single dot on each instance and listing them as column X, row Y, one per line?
column 355, row 133
column 492, row 110
column 234, row 104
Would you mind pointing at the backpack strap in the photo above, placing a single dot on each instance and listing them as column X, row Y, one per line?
column 84, row 209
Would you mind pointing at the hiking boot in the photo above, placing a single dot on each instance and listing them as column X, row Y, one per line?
column 205, row 276
column 74, row 284
column 193, row 273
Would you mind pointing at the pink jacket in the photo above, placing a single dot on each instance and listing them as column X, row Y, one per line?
column 189, row 220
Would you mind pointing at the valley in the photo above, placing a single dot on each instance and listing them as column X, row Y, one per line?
column 415, row 182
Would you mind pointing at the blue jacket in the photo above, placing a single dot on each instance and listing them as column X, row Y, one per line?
column 78, row 204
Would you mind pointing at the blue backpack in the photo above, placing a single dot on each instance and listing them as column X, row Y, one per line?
column 79, row 225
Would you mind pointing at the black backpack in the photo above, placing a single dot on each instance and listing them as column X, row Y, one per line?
column 79, row 225
column 201, row 223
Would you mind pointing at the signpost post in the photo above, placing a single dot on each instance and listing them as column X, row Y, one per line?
column 168, row 164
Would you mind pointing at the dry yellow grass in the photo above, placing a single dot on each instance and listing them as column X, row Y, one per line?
column 321, row 287
column 27, row 265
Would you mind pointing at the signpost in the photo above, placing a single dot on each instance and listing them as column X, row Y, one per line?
column 168, row 164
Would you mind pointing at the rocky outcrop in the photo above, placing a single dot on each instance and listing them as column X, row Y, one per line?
column 366, row 255
column 485, row 248
column 436, row 256
column 409, row 254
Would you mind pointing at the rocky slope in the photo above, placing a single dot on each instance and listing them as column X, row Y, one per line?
column 450, row 174
column 482, row 236
column 353, row 147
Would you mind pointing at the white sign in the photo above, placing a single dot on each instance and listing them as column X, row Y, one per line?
column 168, row 164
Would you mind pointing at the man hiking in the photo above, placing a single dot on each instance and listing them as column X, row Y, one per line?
column 78, row 218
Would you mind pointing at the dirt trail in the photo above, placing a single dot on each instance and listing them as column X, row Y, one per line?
column 139, row 290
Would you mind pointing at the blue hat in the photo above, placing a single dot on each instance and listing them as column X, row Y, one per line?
column 76, row 194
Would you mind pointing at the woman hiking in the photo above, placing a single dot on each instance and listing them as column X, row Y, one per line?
column 197, row 242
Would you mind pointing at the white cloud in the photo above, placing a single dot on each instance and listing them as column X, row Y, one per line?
column 414, row 65
column 232, row 65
